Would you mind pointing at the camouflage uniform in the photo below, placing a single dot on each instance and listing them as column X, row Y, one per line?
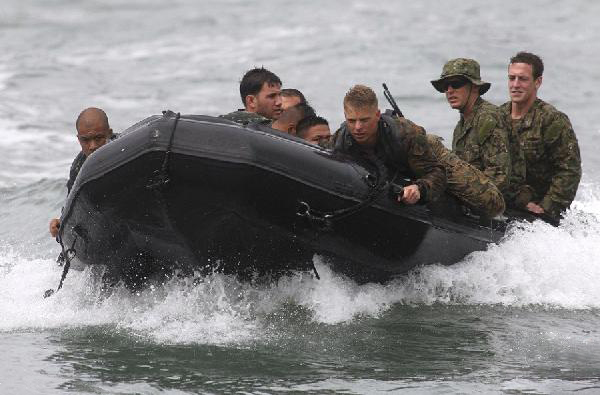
column 470, row 185
column 546, row 160
column 244, row 117
column 402, row 147
column 481, row 140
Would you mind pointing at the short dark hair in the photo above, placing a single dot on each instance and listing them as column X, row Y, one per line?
column 253, row 81
column 297, row 113
column 291, row 92
column 308, row 122
column 533, row 60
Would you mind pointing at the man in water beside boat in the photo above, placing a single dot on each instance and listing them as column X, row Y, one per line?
column 260, row 91
column 397, row 143
column 93, row 131
column 544, row 148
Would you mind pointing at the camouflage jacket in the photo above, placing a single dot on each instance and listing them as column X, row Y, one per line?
column 244, row 117
column 482, row 140
column 402, row 147
column 546, row 159
column 473, row 188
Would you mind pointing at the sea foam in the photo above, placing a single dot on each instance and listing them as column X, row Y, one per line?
column 535, row 265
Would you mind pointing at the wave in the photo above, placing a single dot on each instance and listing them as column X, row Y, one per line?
column 534, row 266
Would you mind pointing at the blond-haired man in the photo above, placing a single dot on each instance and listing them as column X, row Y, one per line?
column 397, row 142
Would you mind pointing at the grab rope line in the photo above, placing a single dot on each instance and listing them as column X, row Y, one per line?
column 161, row 178
column 326, row 219
column 67, row 255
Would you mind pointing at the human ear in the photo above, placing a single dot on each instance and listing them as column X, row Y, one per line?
column 292, row 129
column 251, row 102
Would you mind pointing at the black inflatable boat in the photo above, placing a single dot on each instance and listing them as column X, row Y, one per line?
column 196, row 194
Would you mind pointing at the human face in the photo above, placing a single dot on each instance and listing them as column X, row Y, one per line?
column 267, row 102
column 362, row 123
column 93, row 136
column 316, row 134
column 522, row 87
column 289, row 101
column 459, row 96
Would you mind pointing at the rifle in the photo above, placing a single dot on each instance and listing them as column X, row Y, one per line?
column 390, row 99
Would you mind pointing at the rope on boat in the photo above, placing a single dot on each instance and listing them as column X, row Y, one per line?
column 325, row 219
column 161, row 176
column 67, row 257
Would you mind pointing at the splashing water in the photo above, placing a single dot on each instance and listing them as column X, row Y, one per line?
column 534, row 265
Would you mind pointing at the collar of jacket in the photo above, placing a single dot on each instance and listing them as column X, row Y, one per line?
column 467, row 124
column 527, row 120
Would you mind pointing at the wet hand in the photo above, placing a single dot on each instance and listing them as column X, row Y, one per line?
column 54, row 226
column 534, row 208
column 411, row 195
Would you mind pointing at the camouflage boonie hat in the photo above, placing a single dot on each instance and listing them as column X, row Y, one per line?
column 461, row 67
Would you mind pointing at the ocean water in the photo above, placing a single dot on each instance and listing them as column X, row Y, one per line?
column 520, row 317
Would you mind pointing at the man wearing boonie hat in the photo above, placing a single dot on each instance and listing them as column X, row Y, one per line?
column 480, row 136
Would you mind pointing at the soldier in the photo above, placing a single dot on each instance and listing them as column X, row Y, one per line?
column 314, row 129
column 546, row 159
column 480, row 136
column 397, row 142
column 289, row 118
column 290, row 97
column 93, row 131
column 260, row 91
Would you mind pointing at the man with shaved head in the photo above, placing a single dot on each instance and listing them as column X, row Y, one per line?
column 289, row 119
column 290, row 97
column 93, row 131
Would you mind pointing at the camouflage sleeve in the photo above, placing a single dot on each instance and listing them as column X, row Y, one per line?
column 431, row 173
column 564, row 153
column 493, row 135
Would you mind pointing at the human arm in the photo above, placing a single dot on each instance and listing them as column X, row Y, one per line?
column 431, row 181
column 495, row 149
column 564, row 155
column 54, row 227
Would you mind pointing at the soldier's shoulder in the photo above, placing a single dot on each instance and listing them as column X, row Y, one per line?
column 488, row 120
column 548, row 111
column 554, row 123
column 244, row 117
column 404, row 126
column 552, row 117
column 488, row 110
column 505, row 108
column 545, row 107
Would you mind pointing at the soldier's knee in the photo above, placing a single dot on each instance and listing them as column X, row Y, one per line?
column 494, row 204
